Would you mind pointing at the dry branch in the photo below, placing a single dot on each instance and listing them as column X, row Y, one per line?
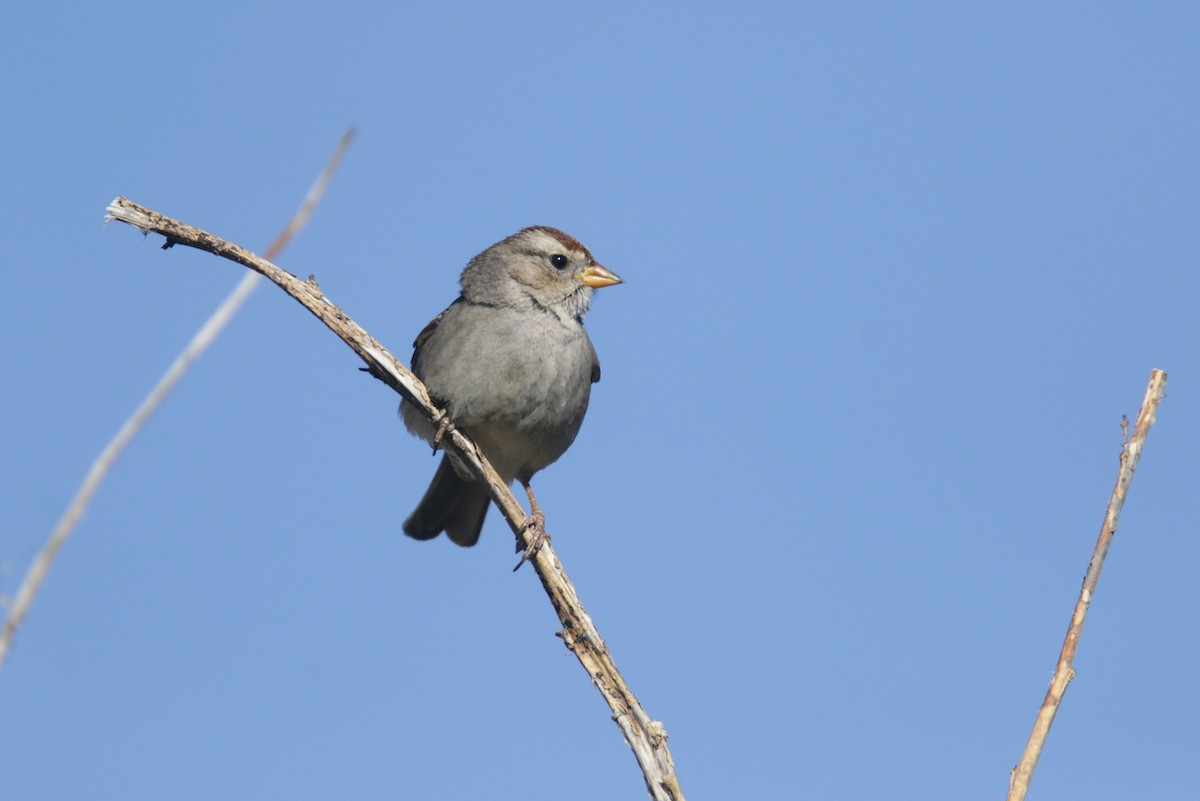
column 1131, row 453
column 208, row 332
column 646, row 737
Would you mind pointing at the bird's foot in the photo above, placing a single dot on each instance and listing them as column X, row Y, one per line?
column 444, row 426
column 534, row 530
column 534, row 527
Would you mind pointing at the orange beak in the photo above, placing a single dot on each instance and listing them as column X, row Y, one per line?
column 597, row 276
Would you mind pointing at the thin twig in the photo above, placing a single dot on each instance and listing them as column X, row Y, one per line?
column 99, row 470
column 646, row 737
column 1131, row 453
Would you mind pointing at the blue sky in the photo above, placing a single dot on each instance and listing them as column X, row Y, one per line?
column 894, row 273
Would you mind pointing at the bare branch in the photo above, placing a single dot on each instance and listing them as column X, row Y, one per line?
column 646, row 737
column 104, row 462
column 1131, row 453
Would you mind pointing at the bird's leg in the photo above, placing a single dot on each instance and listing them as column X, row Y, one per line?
column 535, row 524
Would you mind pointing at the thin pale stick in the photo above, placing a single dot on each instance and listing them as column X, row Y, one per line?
column 1131, row 453
column 99, row 470
column 646, row 737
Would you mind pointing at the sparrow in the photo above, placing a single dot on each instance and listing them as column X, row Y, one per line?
column 511, row 365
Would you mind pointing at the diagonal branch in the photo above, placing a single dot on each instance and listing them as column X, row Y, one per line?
column 1131, row 453
column 100, row 467
column 646, row 737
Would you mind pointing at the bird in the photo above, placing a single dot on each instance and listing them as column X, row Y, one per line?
column 510, row 364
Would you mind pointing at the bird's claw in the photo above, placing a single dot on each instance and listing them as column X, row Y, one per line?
column 535, row 527
column 444, row 426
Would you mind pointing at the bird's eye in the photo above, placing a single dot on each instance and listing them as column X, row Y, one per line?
column 559, row 261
